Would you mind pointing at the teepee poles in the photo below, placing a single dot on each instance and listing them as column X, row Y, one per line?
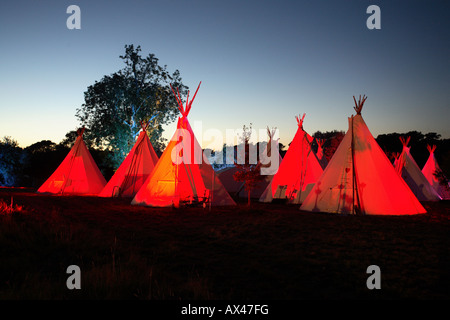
column 72, row 160
column 184, row 110
column 358, row 107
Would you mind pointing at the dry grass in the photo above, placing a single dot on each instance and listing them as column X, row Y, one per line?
column 267, row 252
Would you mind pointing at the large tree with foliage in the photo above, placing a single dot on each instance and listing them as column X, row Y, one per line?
column 115, row 105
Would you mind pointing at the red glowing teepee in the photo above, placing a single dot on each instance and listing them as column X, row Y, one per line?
column 78, row 174
column 360, row 179
column 134, row 170
column 298, row 171
column 182, row 175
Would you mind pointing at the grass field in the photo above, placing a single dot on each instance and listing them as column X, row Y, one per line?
column 268, row 251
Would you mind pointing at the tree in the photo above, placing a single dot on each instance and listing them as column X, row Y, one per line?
column 41, row 146
column 71, row 136
column 115, row 105
column 41, row 159
column 391, row 145
column 442, row 178
column 11, row 162
column 332, row 140
column 247, row 172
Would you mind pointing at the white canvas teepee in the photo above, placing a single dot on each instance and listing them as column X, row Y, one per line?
column 78, row 174
column 429, row 170
column 134, row 170
column 183, row 174
column 408, row 169
column 298, row 171
column 360, row 178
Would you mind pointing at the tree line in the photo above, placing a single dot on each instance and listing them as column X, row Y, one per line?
column 31, row 166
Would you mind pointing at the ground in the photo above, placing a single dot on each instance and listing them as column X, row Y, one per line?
column 267, row 251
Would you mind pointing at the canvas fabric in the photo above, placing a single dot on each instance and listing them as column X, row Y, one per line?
column 408, row 169
column 428, row 171
column 134, row 170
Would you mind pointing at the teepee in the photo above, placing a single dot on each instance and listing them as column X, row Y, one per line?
column 360, row 179
column 134, row 170
column 78, row 174
column 408, row 169
column 182, row 175
column 429, row 169
column 298, row 171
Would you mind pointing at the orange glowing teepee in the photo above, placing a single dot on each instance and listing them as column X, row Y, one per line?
column 360, row 179
column 134, row 170
column 429, row 169
column 182, row 175
column 298, row 171
column 78, row 174
column 408, row 169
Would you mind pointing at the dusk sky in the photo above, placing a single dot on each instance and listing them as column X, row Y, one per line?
column 260, row 62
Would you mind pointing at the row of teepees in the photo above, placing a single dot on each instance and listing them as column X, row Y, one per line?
column 148, row 180
column 358, row 179
column 407, row 168
column 190, row 179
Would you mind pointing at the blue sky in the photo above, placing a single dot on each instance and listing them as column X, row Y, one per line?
column 260, row 62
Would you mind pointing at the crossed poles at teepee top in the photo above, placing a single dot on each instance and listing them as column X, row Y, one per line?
column 184, row 110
